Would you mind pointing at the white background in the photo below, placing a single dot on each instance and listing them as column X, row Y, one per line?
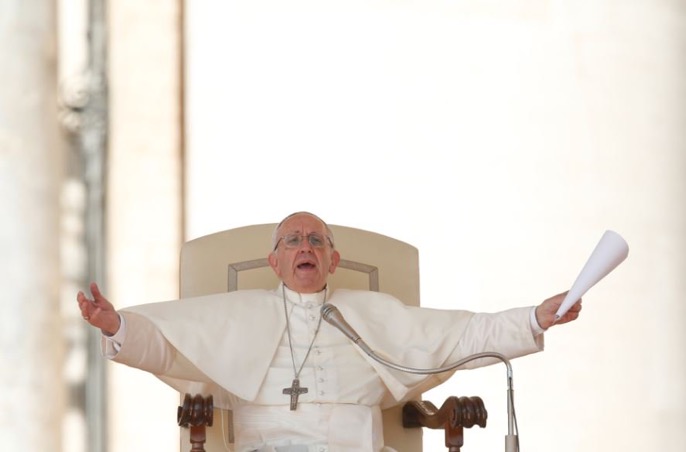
column 502, row 140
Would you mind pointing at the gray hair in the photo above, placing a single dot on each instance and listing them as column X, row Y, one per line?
column 275, row 237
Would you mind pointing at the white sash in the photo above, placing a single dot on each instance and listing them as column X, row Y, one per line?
column 311, row 425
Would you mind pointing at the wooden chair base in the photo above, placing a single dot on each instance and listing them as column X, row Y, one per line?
column 454, row 415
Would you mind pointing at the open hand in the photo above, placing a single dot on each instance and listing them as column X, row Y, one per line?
column 98, row 311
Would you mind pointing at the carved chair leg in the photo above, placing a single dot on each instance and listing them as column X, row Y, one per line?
column 198, row 438
column 196, row 413
column 454, row 438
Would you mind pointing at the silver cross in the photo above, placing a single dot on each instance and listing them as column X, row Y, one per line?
column 294, row 391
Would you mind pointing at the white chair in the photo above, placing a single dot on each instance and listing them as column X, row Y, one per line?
column 237, row 259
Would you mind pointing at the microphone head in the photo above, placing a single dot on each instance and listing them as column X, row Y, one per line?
column 329, row 311
column 333, row 316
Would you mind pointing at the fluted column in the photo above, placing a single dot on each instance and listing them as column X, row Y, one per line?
column 31, row 386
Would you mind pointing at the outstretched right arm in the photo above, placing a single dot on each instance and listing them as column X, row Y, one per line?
column 147, row 347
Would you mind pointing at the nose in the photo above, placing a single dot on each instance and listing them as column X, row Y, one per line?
column 305, row 245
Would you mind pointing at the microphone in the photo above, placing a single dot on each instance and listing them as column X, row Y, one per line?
column 333, row 316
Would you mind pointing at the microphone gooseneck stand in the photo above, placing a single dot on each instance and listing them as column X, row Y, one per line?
column 333, row 316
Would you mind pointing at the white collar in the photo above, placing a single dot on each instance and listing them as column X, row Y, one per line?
column 303, row 298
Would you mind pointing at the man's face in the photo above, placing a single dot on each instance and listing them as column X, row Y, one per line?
column 303, row 268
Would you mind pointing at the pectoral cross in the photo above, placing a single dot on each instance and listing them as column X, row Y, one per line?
column 294, row 391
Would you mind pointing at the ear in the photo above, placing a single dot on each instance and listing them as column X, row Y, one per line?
column 335, row 259
column 274, row 263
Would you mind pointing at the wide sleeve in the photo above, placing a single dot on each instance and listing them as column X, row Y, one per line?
column 424, row 338
column 224, row 341
column 507, row 333
column 144, row 346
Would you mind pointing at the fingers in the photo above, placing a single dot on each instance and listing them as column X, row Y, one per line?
column 557, row 300
column 575, row 308
column 90, row 313
column 98, row 297
column 85, row 310
column 90, row 307
column 547, row 314
column 83, row 299
column 572, row 314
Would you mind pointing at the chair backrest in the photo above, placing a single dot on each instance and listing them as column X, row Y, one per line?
column 236, row 259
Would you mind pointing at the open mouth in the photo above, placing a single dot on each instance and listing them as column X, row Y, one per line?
column 306, row 265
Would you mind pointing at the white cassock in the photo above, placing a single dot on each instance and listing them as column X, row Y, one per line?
column 235, row 346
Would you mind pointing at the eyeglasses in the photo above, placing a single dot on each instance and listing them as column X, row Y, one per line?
column 295, row 240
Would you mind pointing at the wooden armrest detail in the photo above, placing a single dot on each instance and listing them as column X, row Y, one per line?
column 455, row 414
column 462, row 411
column 196, row 413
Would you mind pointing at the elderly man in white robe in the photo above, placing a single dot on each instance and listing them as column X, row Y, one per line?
column 295, row 383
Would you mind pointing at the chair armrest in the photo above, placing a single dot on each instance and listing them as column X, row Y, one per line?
column 454, row 415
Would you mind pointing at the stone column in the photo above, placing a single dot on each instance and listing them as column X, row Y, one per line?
column 32, row 390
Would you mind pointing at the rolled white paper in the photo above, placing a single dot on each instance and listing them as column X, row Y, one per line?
column 610, row 251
